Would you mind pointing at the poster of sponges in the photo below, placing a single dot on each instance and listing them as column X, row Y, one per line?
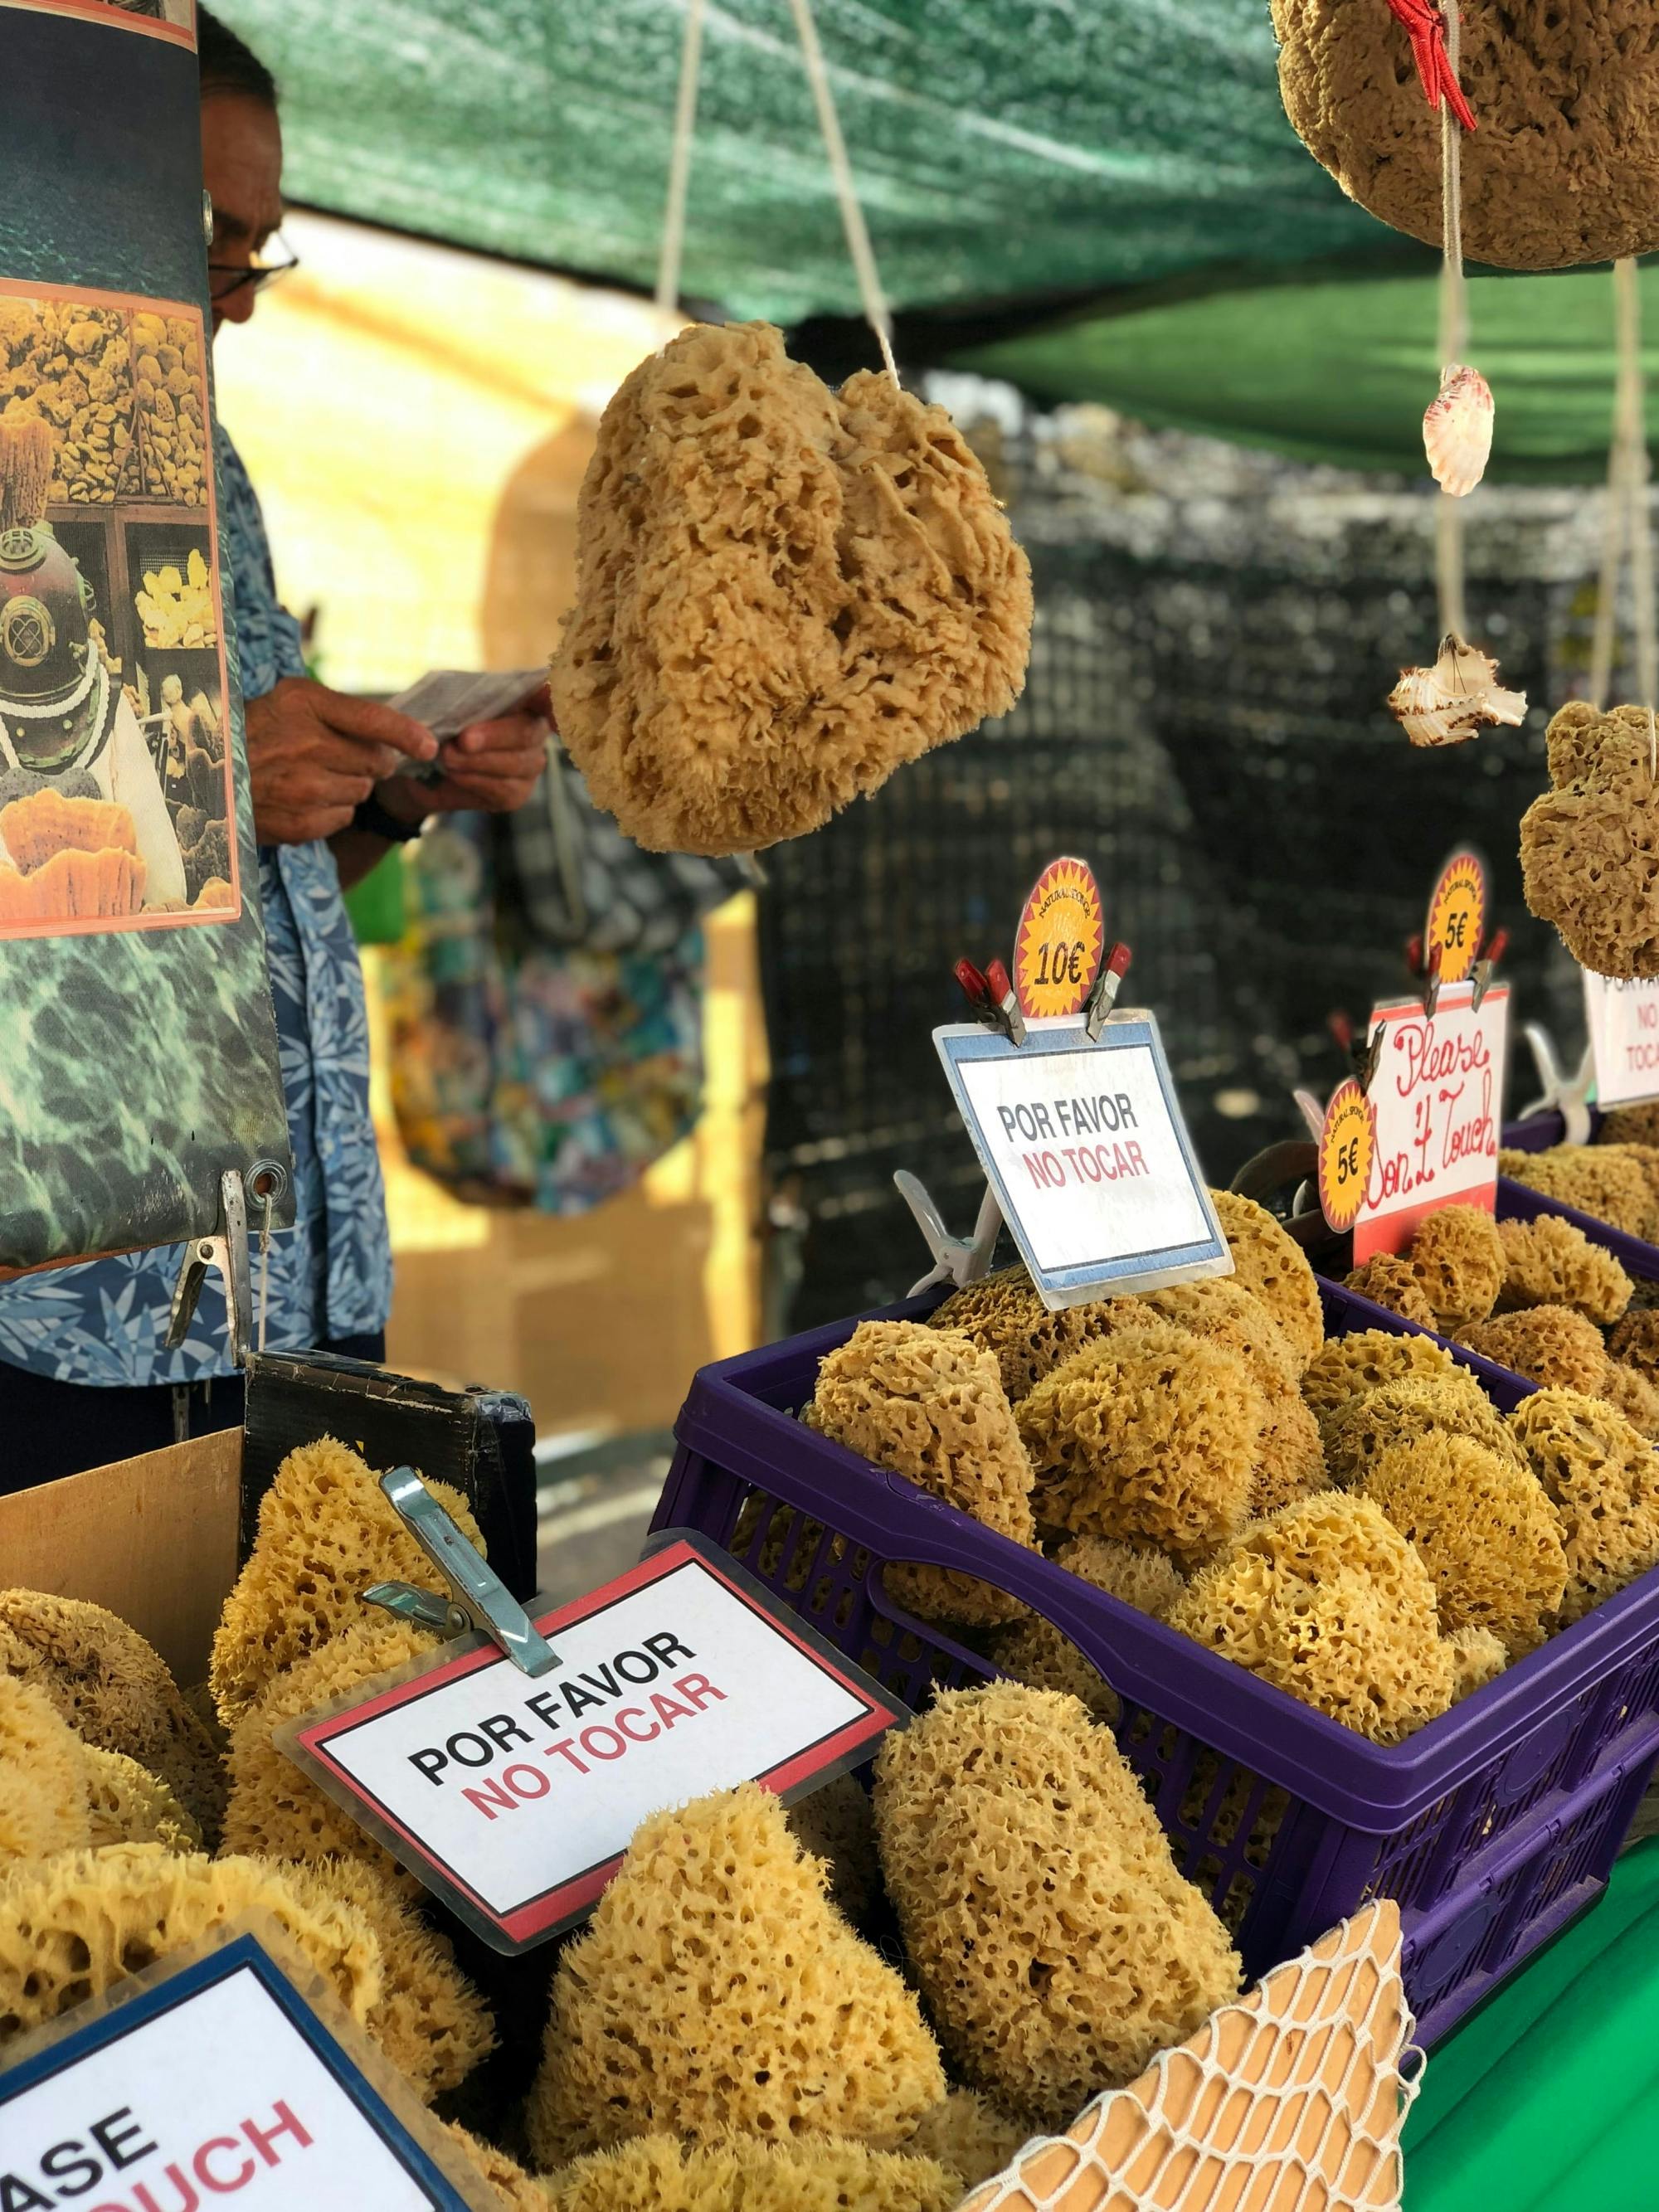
column 160, row 19
column 140, row 1059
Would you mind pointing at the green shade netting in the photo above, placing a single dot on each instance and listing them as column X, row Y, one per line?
column 1002, row 148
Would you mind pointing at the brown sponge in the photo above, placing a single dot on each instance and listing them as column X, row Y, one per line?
column 716, row 1988
column 326, row 1531
column 1058, row 1948
column 969, row 2135
column 1590, row 846
column 1551, row 1262
column 114, row 1691
column 1457, row 1257
column 514, row 2190
column 43, row 1779
column 1608, row 1182
column 1387, row 1280
column 128, row 1804
column 1153, row 1434
column 1290, row 1457
column 1483, row 1527
column 1560, row 170
column 1417, row 1406
column 1635, row 1395
column 1034, row 1652
column 1478, row 1658
column 1630, row 1125
column 1349, row 1365
column 1269, row 1262
column 1003, row 1315
column 739, row 2174
column 1635, row 1342
column 1603, row 1477
column 928, row 1404
column 835, row 1825
column 1551, row 1345
column 783, row 594
column 1328, row 1600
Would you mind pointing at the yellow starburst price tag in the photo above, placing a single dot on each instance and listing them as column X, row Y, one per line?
column 1057, row 951
column 1345, row 1150
column 1457, row 918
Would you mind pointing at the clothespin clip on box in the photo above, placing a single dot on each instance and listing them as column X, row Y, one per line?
column 478, row 1600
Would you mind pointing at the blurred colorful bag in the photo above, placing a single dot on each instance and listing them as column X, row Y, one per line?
column 525, row 1072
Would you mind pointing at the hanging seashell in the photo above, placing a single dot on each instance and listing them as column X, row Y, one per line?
column 1459, row 696
column 1457, row 430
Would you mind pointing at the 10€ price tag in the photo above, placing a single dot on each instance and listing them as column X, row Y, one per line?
column 1623, row 1020
column 1087, row 1156
column 1437, row 1098
column 1057, row 947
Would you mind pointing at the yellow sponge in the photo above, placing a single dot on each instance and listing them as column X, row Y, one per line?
column 969, row 2135
column 740, row 2174
column 1457, row 1257
column 1153, row 1434
column 1602, row 1476
column 1635, row 1341
column 1635, row 1395
column 1058, row 1948
column 1419, row 1405
column 1610, row 1182
column 1349, row 1365
column 1003, row 1315
column 515, row 2190
column 1485, row 1530
column 1551, row 1345
column 1387, row 1280
column 929, row 1404
column 835, row 1825
column 1034, row 1652
column 128, row 1804
column 1550, row 1262
column 43, row 1779
column 1477, row 1657
column 1269, row 1262
column 326, row 1532
column 1289, row 1458
column 716, row 1988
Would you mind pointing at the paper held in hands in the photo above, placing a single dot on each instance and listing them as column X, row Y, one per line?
column 450, row 700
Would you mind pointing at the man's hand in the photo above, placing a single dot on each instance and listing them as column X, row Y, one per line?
column 490, row 768
column 314, row 756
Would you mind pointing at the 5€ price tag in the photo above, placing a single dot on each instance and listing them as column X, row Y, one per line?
column 1438, row 1096
column 1347, row 1145
column 1457, row 918
column 1086, row 1153
column 514, row 1799
column 1061, row 933
column 1623, row 1019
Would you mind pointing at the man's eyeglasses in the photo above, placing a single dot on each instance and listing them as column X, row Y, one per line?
column 275, row 259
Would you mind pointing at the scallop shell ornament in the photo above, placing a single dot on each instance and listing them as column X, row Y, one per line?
column 1457, row 430
column 1458, row 696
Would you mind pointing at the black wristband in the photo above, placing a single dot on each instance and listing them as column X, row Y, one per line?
column 372, row 816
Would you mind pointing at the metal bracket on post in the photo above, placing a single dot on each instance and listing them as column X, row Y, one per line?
column 227, row 1249
column 958, row 1260
column 478, row 1598
column 1565, row 1095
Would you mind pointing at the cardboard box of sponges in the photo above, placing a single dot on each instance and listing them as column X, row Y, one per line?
column 159, row 1540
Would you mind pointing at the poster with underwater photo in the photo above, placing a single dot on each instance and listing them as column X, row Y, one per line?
column 174, row 20
column 138, row 1055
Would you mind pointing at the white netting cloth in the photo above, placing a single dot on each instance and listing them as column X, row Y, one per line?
column 1291, row 2100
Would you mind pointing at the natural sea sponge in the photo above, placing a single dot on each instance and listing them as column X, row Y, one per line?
column 1590, row 846
column 834, row 1825
column 1635, row 1395
column 715, row 1989
column 1551, row 1345
column 1003, row 1315
column 1607, row 1181
column 1387, row 1280
column 1483, row 1527
column 1349, row 1365
column 739, row 2174
column 1418, row 1405
column 73, row 1925
column 928, row 1404
column 1328, row 1600
column 275, row 1809
column 1478, row 1658
column 326, row 1531
column 1602, row 1477
column 1551, row 1262
column 1057, row 1947
column 515, row 2190
column 1630, row 1125
column 1561, row 170
column 970, row 2136
column 128, row 1804
column 1457, row 1257
column 1269, row 1262
column 43, row 1786
column 1290, row 1457
column 1034, row 1652
column 1635, row 1342
column 1154, row 1434
column 783, row 594
column 114, row 1691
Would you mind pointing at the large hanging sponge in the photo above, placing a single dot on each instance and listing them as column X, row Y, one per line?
column 740, row 2174
column 930, row 1405
column 1561, row 170
column 1349, row 1365
column 783, row 594
column 1607, row 1181
column 1330, row 1602
column 1154, row 1434
column 716, row 1988
column 1290, row 1457
column 1034, row 1652
column 43, row 1780
column 1003, row 1315
column 114, row 1691
column 1590, row 846
column 1058, row 1948
column 1457, row 1257
column 1387, row 1280
column 1604, row 1478
column 326, row 1531
column 1551, row 1345
column 1269, row 1262
column 128, row 1804
column 1483, row 1527
column 1551, row 1262
column 275, row 1809
column 1418, row 1405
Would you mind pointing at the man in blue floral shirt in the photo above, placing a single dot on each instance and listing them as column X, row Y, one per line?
column 86, row 1376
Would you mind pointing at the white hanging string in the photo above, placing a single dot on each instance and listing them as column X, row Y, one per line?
column 1633, row 465
column 680, row 162
column 1448, row 552
column 852, row 214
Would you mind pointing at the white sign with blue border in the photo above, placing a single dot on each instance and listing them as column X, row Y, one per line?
column 218, row 2079
column 1087, row 1155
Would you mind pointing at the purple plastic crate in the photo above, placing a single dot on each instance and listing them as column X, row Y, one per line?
column 1492, row 1827
column 1516, row 1202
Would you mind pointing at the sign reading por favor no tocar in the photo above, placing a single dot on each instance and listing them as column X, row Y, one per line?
column 215, row 2079
column 514, row 1799
column 1087, row 1155
column 1623, row 1019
